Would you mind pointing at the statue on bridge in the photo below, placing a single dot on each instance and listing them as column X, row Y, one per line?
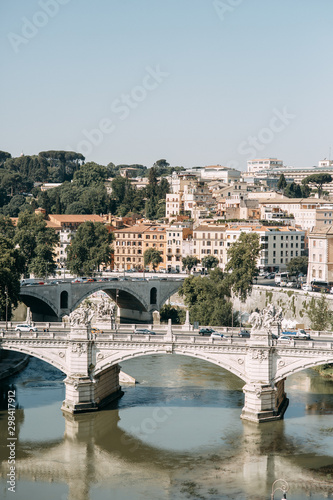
column 264, row 319
column 82, row 316
column 105, row 308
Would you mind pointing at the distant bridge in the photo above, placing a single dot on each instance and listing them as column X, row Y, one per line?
column 91, row 363
column 136, row 299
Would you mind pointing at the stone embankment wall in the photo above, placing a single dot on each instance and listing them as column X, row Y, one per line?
column 294, row 303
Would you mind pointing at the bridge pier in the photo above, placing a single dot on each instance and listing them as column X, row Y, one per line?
column 264, row 403
column 88, row 394
column 84, row 391
column 264, row 400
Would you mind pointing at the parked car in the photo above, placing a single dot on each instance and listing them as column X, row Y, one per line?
column 244, row 334
column 25, row 328
column 217, row 335
column 144, row 331
column 206, row 331
column 306, row 287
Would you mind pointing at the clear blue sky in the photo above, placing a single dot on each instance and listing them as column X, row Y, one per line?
column 191, row 81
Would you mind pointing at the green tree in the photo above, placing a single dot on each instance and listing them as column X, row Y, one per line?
column 317, row 180
column 89, row 174
column 207, row 299
column 242, row 263
column 36, row 242
column 209, row 262
column 7, row 227
column 282, row 183
column 176, row 314
column 189, row 262
column 11, row 268
column 319, row 313
column 293, row 190
column 90, row 247
column 298, row 265
column 153, row 257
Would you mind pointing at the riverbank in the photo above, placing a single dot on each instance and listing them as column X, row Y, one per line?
column 325, row 371
column 12, row 363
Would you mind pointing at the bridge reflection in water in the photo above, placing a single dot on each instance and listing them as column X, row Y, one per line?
column 96, row 451
column 119, row 452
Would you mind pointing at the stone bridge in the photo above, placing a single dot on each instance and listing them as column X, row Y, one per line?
column 91, row 363
column 136, row 299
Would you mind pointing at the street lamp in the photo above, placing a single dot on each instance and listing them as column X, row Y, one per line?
column 283, row 486
column 6, row 294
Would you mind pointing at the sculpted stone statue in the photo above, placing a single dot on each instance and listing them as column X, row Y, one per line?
column 82, row 316
column 263, row 320
column 105, row 308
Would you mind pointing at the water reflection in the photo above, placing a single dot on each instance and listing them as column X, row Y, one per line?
column 176, row 435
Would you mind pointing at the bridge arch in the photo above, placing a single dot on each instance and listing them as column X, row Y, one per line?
column 220, row 361
column 299, row 365
column 36, row 303
column 52, row 358
column 119, row 293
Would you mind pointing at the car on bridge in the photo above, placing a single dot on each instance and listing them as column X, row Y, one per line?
column 25, row 328
column 244, row 334
column 206, row 331
column 298, row 334
column 285, row 339
column 217, row 335
column 144, row 331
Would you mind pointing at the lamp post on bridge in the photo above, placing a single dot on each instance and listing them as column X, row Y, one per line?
column 284, row 487
column 6, row 294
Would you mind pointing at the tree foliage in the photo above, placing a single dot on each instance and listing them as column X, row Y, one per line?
column 242, row 263
column 317, row 180
column 175, row 313
column 189, row 262
column 89, row 249
column 294, row 190
column 36, row 242
column 282, row 183
column 153, row 257
column 207, row 299
column 11, row 267
column 209, row 261
column 298, row 265
column 319, row 313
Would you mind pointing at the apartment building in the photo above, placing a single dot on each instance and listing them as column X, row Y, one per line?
column 209, row 239
column 260, row 164
column 177, row 239
column 66, row 226
column 131, row 243
column 279, row 244
column 305, row 211
column 320, row 265
column 193, row 198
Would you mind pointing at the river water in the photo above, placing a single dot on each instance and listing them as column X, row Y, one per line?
column 176, row 434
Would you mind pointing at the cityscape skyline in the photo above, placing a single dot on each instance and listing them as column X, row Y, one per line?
column 196, row 83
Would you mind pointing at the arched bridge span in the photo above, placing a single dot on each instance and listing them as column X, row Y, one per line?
column 135, row 299
column 92, row 363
